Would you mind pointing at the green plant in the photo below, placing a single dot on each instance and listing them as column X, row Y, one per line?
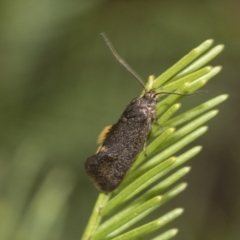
column 114, row 215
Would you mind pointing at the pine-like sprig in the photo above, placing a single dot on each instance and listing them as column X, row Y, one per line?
column 116, row 215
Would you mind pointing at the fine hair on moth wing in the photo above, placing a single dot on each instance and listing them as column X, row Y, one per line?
column 124, row 140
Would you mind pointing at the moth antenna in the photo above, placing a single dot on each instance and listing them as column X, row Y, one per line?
column 180, row 94
column 121, row 60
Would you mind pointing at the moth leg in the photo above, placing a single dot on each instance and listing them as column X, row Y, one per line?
column 144, row 148
column 155, row 121
column 158, row 125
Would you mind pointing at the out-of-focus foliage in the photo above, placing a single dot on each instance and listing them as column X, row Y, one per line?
column 59, row 86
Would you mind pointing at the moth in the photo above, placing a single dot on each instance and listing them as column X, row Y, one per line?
column 122, row 142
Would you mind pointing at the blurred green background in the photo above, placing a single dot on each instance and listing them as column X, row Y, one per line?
column 60, row 86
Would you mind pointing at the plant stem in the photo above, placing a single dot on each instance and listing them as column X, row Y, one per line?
column 95, row 218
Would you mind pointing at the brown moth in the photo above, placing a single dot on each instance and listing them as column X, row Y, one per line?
column 122, row 142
